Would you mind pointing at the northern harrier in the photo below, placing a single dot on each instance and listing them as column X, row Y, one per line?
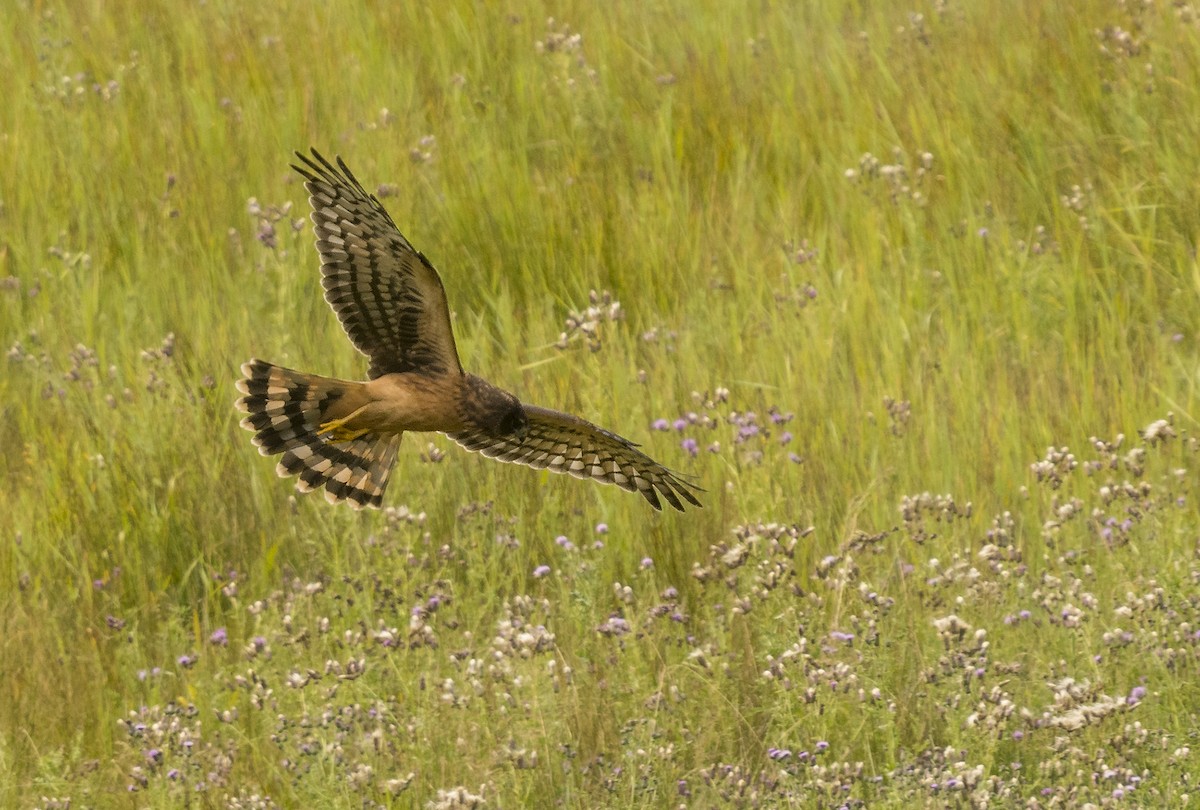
column 344, row 435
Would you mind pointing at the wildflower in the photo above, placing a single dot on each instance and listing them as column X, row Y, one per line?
column 690, row 445
column 661, row 424
column 219, row 637
column 614, row 625
column 746, row 432
column 541, row 571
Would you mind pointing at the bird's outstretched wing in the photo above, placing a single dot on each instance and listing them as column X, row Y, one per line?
column 386, row 294
column 564, row 443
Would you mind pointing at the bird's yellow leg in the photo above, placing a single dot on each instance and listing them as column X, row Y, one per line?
column 337, row 430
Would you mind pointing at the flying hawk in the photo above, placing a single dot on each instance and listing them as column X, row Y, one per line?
column 344, row 435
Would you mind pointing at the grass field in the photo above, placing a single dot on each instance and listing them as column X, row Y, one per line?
column 871, row 262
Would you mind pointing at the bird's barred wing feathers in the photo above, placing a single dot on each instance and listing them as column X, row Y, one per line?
column 563, row 443
column 386, row 294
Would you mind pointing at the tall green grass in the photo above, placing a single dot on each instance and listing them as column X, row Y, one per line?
column 984, row 214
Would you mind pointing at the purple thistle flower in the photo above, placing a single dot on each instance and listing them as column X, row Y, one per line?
column 661, row 424
column 613, row 626
column 690, row 445
column 541, row 571
column 1135, row 695
column 219, row 637
column 680, row 424
column 785, row 437
column 186, row 661
column 647, row 563
column 601, row 528
column 746, row 432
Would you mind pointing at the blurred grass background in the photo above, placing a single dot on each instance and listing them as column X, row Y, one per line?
column 944, row 238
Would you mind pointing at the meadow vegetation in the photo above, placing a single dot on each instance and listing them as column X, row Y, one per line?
column 912, row 291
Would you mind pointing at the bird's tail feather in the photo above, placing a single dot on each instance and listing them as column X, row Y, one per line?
column 286, row 409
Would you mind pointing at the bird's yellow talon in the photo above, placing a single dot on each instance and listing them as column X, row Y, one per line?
column 338, row 432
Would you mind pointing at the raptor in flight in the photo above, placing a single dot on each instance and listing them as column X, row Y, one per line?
column 344, row 435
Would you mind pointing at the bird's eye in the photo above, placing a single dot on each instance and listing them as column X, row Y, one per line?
column 514, row 421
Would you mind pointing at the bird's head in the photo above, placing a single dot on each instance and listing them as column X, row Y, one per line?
column 496, row 411
column 514, row 422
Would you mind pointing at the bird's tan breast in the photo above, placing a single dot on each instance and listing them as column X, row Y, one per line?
column 408, row 401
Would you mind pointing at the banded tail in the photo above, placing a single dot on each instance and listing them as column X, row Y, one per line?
column 286, row 410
